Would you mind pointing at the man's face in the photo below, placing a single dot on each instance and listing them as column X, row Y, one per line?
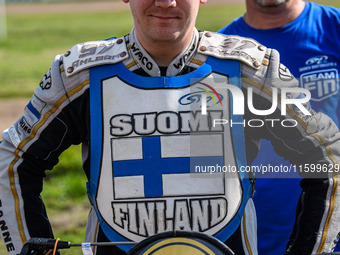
column 164, row 20
column 270, row 3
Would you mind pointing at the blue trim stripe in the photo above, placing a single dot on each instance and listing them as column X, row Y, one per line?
column 35, row 112
column 150, row 82
column 233, row 69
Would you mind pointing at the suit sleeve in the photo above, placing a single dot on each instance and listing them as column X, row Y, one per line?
column 51, row 122
column 311, row 142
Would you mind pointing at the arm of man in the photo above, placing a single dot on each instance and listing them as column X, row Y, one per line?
column 52, row 121
column 311, row 142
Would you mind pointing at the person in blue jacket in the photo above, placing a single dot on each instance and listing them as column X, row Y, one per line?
column 307, row 36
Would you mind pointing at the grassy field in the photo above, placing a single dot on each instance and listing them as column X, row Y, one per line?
column 33, row 41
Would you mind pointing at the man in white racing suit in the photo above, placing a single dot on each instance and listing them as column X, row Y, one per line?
column 154, row 110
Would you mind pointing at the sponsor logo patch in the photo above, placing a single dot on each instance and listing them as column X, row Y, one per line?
column 321, row 83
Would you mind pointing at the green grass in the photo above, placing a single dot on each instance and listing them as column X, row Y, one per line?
column 65, row 198
column 34, row 40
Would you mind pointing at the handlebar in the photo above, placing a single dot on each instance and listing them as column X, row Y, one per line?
column 45, row 244
column 39, row 245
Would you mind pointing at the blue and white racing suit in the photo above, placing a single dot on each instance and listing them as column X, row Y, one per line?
column 147, row 143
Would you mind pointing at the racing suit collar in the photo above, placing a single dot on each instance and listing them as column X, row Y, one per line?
column 145, row 61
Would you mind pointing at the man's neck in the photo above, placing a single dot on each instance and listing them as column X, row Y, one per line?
column 164, row 52
column 175, row 60
column 272, row 17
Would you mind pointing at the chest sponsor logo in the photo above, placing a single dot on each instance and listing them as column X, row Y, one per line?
column 321, row 83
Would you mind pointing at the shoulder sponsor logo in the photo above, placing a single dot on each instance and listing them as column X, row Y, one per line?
column 237, row 44
column 92, row 53
column 91, row 49
column 235, row 47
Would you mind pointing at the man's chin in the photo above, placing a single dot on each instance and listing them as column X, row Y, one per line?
column 271, row 4
column 166, row 35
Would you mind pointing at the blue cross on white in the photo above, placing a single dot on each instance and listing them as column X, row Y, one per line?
column 156, row 170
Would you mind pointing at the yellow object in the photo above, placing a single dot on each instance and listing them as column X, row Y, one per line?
column 177, row 246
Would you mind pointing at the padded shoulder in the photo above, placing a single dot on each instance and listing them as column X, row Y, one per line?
column 240, row 48
column 94, row 53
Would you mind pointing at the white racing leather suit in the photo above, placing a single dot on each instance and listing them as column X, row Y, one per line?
column 125, row 110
